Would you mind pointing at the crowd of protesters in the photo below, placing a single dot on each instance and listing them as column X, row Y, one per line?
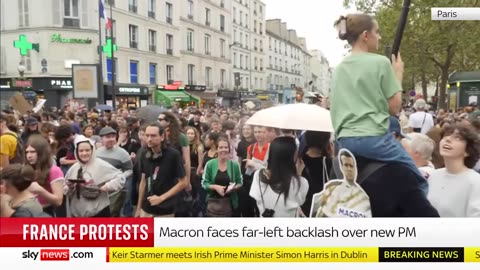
column 208, row 162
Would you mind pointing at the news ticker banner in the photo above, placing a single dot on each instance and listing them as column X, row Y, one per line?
column 261, row 255
column 294, row 255
column 261, row 232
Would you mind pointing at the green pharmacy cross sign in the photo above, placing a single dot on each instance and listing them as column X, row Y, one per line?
column 108, row 48
column 25, row 46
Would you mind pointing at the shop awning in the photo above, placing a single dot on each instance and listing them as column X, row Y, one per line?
column 203, row 95
column 168, row 97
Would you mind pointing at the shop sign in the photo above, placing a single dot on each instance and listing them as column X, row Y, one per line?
column 59, row 39
column 22, row 83
column 248, row 94
column 195, row 87
column 61, row 83
column 129, row 90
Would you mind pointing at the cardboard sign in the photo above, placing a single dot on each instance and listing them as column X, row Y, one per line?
column 342, row 197
column 20, row 104
column 39, row 105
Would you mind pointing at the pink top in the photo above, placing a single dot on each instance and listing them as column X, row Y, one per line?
column 55, row 175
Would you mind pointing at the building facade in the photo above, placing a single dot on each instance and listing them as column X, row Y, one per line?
column 61, row 35
column 322, row 71
column 205, row 37
column 287, row 61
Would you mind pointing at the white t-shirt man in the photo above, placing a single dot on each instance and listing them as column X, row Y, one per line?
column 416, row 120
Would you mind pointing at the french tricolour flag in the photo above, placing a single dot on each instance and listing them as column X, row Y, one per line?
column 103, row 15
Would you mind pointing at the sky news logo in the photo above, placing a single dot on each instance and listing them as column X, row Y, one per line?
column 55, row 255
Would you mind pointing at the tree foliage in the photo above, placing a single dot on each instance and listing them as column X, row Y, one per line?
column 430, row 49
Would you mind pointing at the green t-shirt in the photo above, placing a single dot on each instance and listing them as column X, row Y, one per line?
column 184, row 140
column 361, row 86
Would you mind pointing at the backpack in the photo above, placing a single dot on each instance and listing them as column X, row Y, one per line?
column 19, row 153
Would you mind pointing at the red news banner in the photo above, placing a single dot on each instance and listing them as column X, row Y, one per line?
column 76, row 232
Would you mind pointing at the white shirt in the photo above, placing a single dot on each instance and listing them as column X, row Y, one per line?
column 296, row 197
column 455, row 195
column 427, row 170
column 415, row 121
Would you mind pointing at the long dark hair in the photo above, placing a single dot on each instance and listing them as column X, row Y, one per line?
column 318, row 140
column 281, row 164
column 174, row 129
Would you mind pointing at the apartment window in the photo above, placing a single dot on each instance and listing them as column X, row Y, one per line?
column 207, row 16
column 207, row 44
column 255, row 8
column 152, row 72
column 256, row 83
column 190, row 40
column 71, row 12
column 261, row 64
column 169, row 73
column 260, row 28
column 169, row 44
column 246, row 20
column 111, row 2
column 241, row 39
column 261, row 9
column 132, row 6
column 190, row 9
column 191, row 74
column 208, row 76
column 27, row 61
column 241, row 17
column 247, row 63
column 261, row 45
column 169, row 12
column 234, row 59
column 152, row 40
column 110, row 68
column 23, row 17
column 256, row 63
column 223, row 72
column 241, row 61
column 151, row 9
column 255, row 26
column 222, row 23
column 234, row 15
column 133, row 33
column 133, row 71
column 222, row 3
column 270, row 61
column 261, row 83
column 247, row 41
column 222, row 48
column 234, row 35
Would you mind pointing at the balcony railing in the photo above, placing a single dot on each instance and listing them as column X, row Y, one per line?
column 151, row 14
column 133, row 44
column 170, row 51
column 169, row 20
column 190, row 17
column 153, row 48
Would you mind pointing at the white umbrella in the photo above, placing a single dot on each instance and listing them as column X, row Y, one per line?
column 298, row 116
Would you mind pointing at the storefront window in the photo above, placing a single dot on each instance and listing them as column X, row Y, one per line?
column 127, row 102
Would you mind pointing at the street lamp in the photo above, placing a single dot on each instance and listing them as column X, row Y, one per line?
column 21, row 69
column 249, row 62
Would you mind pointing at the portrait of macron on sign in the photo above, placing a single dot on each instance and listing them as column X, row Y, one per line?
column 342, row 197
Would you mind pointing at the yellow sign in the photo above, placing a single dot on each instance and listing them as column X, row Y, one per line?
column 472, row 255
column 262, row 97
column 244, row 255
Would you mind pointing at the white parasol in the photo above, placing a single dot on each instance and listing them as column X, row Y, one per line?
column 298, row 116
